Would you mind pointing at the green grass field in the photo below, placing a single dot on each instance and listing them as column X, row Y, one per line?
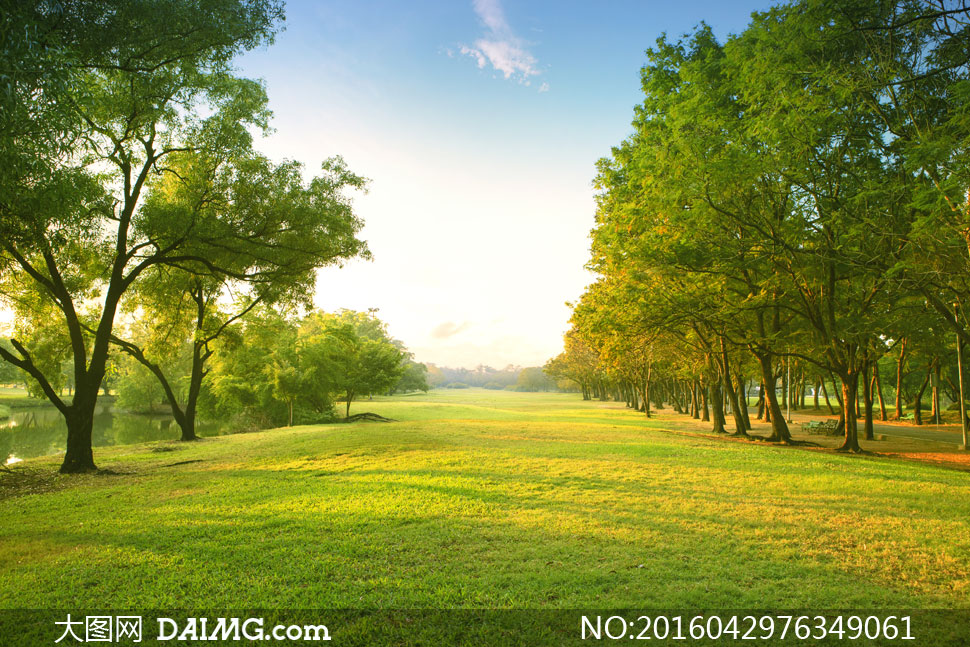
column 487, row 500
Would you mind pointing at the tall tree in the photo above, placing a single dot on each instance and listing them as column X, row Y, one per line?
column 147, row 79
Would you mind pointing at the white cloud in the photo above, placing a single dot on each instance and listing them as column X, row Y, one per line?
column 544, row 87
column 467, row 51
column 448, row 329
column 499, row 46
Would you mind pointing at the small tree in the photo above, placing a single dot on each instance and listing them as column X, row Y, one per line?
column 413, row 378
column 363, row 358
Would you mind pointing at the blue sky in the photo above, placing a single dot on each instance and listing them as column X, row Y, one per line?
column 479, row 123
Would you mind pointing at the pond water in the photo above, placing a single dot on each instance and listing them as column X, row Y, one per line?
column 38, row 431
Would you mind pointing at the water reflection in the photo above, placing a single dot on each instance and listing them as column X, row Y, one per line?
column 41, row 430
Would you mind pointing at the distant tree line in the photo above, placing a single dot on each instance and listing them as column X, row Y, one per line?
column 795, row 199
column 510, row 378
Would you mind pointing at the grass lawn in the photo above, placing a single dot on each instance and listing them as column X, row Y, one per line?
column 486, row 499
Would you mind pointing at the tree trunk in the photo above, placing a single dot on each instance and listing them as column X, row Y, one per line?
column 784, row 388
column 825, row 392
column 79, row 457
column 695, row 412
column 706, row 417
column 740, row 428
column 717, row 407
column 761, row 401
column 900, row 361
column 349, row 398
column 867, row 400
column 79, row 417
column 646, row 393
column 743, row 402
column 882, row 402
column 732, row 395
column 838, row 394
column 187, row 424
column 850, row 399
column 815, row 394
column 779, row 428
column 676, row 406
column 918, row 403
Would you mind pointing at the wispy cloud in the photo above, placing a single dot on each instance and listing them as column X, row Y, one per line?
column 448, row 329
column 500, row 47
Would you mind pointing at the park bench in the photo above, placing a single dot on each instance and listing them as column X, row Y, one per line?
column 907, row 416
column 820, row 426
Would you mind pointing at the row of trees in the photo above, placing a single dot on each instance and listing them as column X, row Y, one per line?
column 796, row 193
column 130, row 190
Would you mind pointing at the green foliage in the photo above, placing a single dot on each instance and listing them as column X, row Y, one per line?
column 359, row 356
column 130, row 182
column 275, row 370
column 799, row 190
column 116, row 96
column 10, row 374
column 436, row 376
column 534, row 379
column 478, row 376
column 139, row 390
column 414, row 378
column 238, row 386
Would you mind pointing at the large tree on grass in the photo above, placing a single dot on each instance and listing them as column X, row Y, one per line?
column 128, row 84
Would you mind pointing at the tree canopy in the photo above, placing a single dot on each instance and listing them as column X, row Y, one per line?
column 127, row 155
column 797, row 193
